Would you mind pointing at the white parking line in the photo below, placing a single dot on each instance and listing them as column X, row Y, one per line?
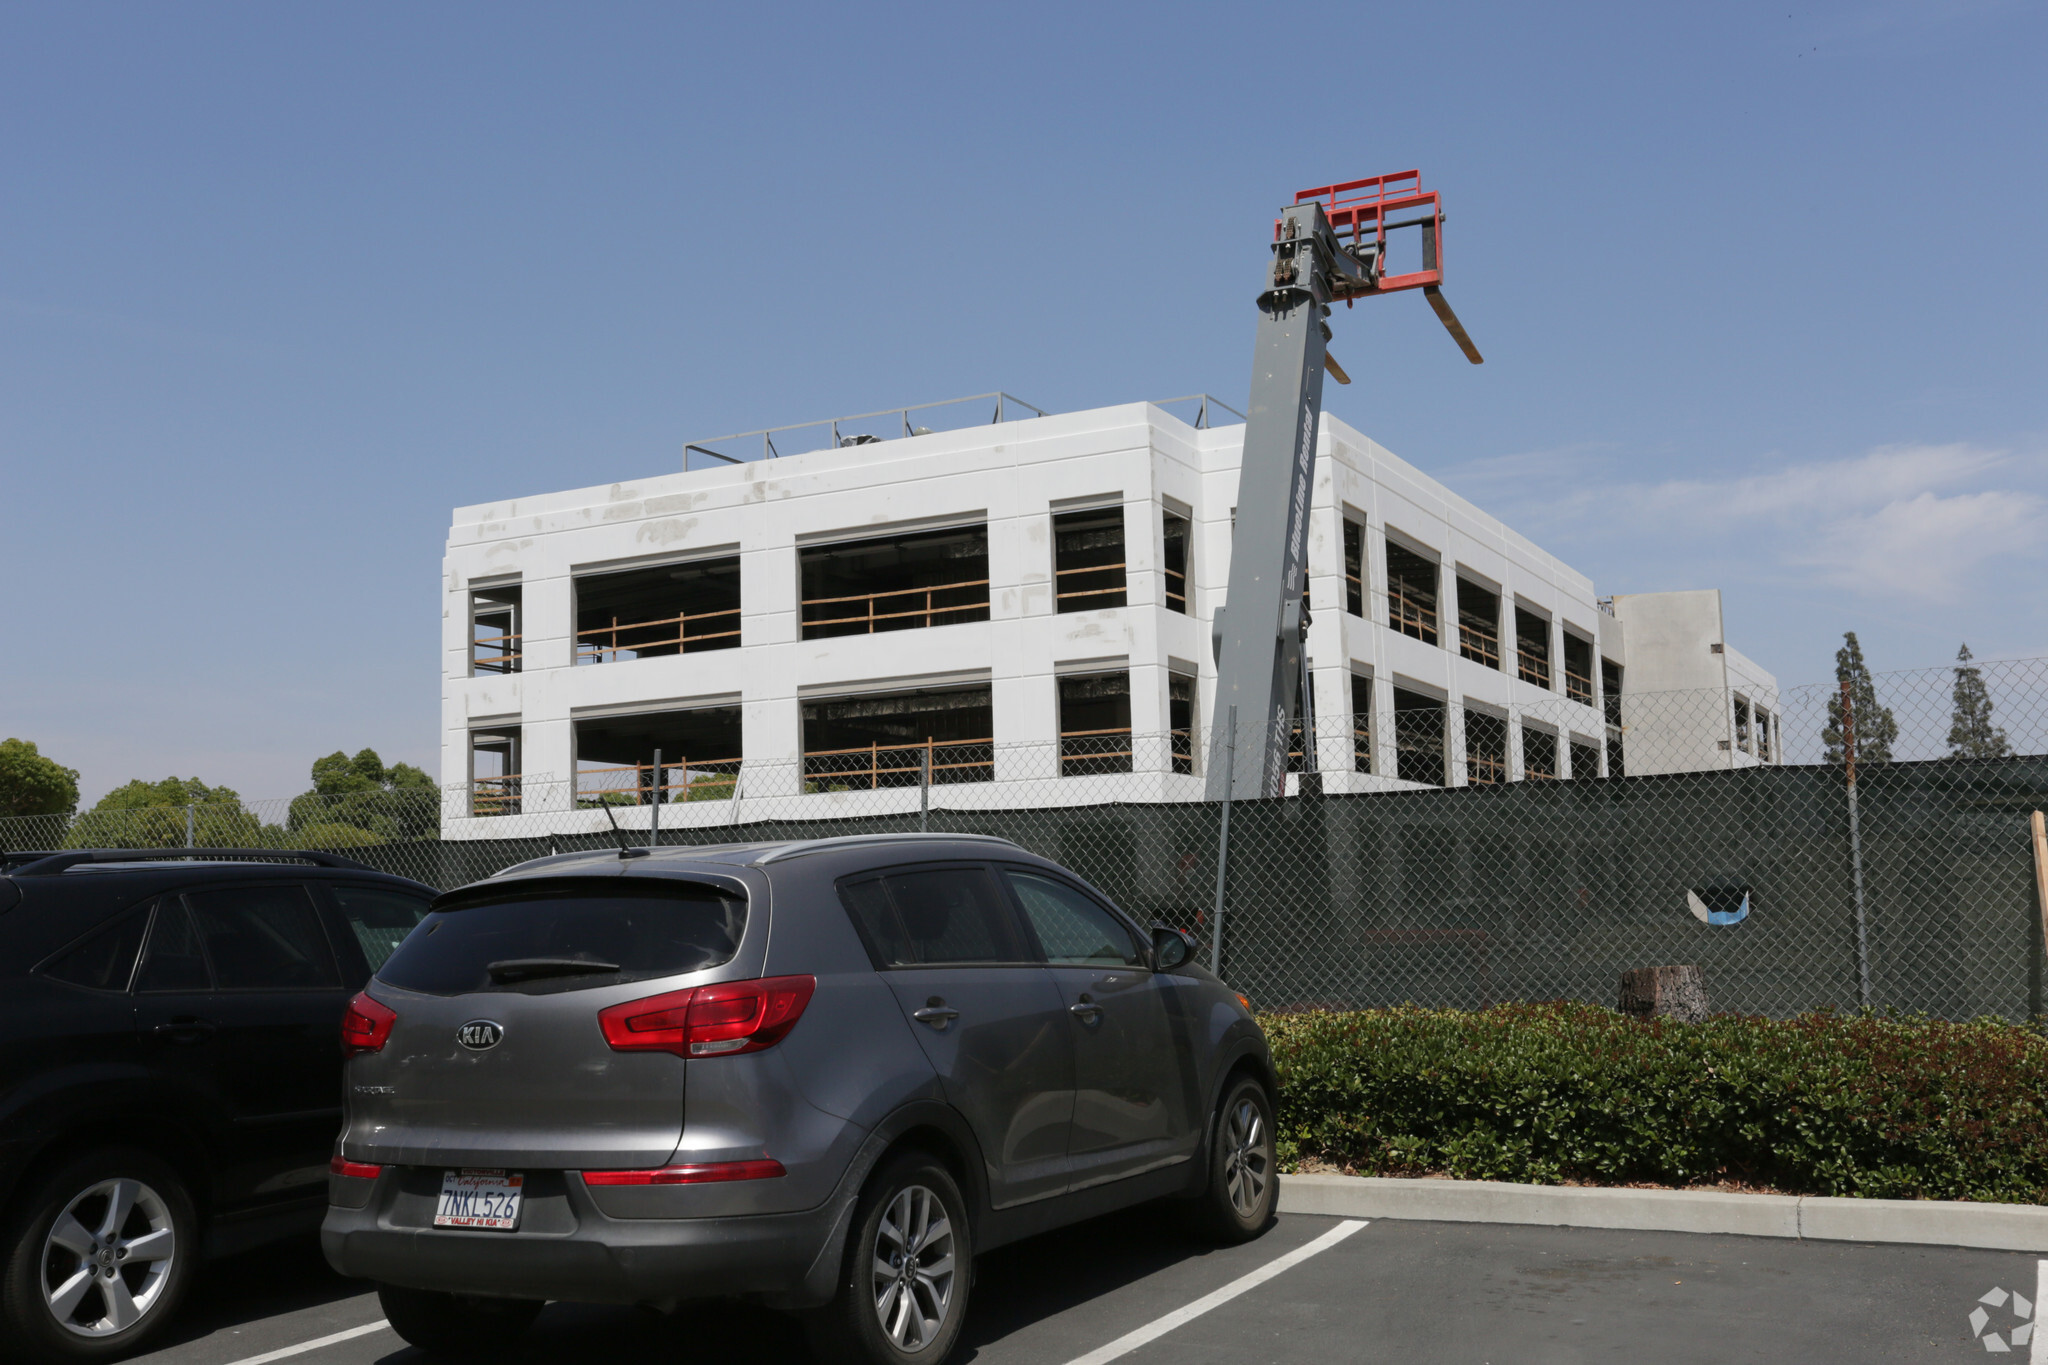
column 1131, row 1341
column 2039, row 1355
column 284, row 1351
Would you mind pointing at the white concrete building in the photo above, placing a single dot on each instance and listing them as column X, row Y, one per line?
column 1027, row 603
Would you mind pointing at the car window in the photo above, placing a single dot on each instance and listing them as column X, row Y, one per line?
column 544, row 942
column 1071, row 927
column 380, row 916
column 106, row 959
column 931, row 916
column 175, row 961
column 263, row 938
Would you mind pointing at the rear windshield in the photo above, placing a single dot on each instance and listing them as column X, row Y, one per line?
column 548, row 942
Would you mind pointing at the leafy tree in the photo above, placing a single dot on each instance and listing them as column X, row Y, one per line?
column 357, row 800
column 1970, row 731
column 152, row 815
column 31, row 784
column 1875, row 728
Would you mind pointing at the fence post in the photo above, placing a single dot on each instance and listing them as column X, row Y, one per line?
column 654, row 817
column 190, row 825
column 924, row 786
column 2038, row 827
column 1223, row 844
column 1855, row 847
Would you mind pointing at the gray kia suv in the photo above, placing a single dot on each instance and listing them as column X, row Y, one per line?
column 819, row 1075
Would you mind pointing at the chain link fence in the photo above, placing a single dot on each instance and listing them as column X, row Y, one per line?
column 1817, row 846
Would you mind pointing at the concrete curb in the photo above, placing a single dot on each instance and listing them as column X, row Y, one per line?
column 1998, row 1227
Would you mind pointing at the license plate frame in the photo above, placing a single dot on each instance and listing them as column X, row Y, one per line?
column 474, row 1199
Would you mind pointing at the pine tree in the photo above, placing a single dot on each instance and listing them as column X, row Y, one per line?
column 1875, row 728
column 1970, row 731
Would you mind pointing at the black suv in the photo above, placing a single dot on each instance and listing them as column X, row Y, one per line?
column 170, row 1076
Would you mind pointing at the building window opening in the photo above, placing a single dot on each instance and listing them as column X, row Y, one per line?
column 1180, row 719
column 655, row 612
column 1418, row 738
column 1532, row 648
column 1486, row 749
column 1354, row 567
column 494, row 630
column 887, row 740
column 1088, row 559
column 1763, row 734
column 1304, row 718
column 658, row 758
column 494, row 777
column 1411, row 593
column 1743, row 739
column 1539, row 754
column 1095, row 723
column 1578, row 669
column 907, row 582
column 1178, row 535
column 1478, row 624
column 1361, row 724
column 1585, row 760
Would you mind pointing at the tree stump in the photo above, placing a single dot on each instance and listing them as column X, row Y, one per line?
column 1675, row 992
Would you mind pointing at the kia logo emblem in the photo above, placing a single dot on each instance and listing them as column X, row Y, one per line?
column 478, row 1034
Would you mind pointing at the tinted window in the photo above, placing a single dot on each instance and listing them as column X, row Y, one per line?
column 106, row 959
column 263, row 938
column 933, row 916
column 380, row 917
column 1071, row 926
column 175, row 961
column 636, row 934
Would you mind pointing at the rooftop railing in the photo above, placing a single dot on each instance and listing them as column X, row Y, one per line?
column 888, row 424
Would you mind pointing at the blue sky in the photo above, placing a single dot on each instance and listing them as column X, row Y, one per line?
column 1760, row 288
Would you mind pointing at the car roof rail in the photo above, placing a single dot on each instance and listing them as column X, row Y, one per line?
column 22, row 857
column 799, row 848
column 54, row 863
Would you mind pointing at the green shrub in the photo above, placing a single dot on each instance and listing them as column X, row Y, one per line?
column 1873, row 1106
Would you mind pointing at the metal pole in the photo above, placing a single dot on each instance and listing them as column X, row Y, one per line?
column 1223, row 845
column 924, row 786
column 1855, row 848
column 2037, row 828
column 654, row 820
column 190, row 840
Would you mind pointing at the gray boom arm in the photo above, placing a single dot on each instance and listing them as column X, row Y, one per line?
column 1258, row 639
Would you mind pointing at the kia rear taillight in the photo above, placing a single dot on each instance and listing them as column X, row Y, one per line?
column 702, row 1173
column 354, row 1170
column 366, row 1025
column 710, row 1021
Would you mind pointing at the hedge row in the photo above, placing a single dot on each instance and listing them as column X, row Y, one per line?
column 1879, row 1107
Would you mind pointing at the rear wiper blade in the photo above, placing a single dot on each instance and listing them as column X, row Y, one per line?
column 533, row 968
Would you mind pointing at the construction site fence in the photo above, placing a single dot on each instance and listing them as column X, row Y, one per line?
column 1806, row 848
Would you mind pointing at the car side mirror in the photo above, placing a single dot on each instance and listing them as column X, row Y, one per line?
column 1170, row 947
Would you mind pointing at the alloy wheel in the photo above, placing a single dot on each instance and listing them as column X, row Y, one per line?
column 913, row 1268
column 108, row 1257
column 1247, row 1161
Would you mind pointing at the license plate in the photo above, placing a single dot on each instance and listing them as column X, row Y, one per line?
column 487, row 1200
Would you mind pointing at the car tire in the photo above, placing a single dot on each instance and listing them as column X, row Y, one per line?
column 456, row 1326
column 97, row 1255
column 1243, row 1185
column 915, row 1316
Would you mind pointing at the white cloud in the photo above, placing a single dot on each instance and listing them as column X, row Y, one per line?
column 1911, row 520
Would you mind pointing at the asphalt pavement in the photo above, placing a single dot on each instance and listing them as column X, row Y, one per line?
column 1312, row 1289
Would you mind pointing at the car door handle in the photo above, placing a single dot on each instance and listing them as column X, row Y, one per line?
column 186, row 1029
column 1086, row 1008
column 936, row 1015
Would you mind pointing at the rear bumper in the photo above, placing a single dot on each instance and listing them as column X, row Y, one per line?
column 571, row 1250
